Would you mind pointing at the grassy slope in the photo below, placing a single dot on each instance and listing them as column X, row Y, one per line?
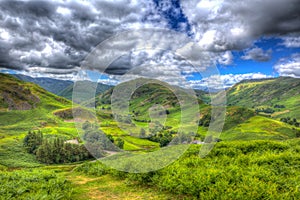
column 14, row 124
column 149, row 96
column 260, row 128
column 268, row 92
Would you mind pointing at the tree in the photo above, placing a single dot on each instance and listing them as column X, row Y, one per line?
column 142, row 133
column 32, row 141
column 298, row 134
column 120, row 143
column 110, row 137
column 86, row 125
column 208, row 139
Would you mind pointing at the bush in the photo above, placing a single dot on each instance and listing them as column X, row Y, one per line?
column 36, row 184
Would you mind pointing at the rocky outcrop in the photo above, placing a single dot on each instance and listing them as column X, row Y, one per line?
column 17, row 97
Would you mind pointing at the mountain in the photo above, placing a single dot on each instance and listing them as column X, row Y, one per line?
column 68, row 91
column 54, row 86
column 276, row 97
column 63, row 88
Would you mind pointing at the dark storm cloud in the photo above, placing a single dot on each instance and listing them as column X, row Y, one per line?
column 268, row 17
column 234, row 25
column 28, row 8
column 58, row 35
column 120, row 66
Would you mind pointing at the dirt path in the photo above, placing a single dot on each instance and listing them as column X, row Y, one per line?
column 108, row 187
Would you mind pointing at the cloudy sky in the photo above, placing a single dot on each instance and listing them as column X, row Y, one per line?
column 243, row 39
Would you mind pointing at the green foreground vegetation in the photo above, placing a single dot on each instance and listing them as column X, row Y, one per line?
column 233, row 170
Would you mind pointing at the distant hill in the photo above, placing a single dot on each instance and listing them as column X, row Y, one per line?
column 241, row 123
column 63, row 88
column 54, row 86
column 145, row 97
column 277, row 97
column 68, row 91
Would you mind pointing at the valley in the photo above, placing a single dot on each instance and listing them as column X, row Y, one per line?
column 258, row 149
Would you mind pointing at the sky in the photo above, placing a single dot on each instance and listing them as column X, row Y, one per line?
column 249, row 39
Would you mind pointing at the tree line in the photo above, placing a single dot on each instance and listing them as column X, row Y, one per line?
column 291, row 121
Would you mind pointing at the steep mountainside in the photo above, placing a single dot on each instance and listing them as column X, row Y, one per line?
column 27, row 103
column 278, row 97
column 54, row 86
column 19, row 95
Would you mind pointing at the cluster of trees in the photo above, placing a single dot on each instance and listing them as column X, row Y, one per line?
column 279, row 106
column 124, row 119
column 205, row 120
column 183, row 138
column 158, row 133
column 162, row 138
column 165, row 138
column 55, row 150
column 265, row 110
column 97, row 142
column 162, row 135
column 32, row 141
column 291, row 121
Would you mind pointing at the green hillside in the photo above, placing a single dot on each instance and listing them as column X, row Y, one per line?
column 261, row 128
column 278, row 97
column 26, row 106
column 152, row 100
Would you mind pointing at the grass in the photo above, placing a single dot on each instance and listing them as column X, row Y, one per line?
column 268, row 92
column 259, row 127
column 34, row 184
column 108, row 187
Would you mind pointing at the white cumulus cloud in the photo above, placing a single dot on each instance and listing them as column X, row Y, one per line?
column 289, row 66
